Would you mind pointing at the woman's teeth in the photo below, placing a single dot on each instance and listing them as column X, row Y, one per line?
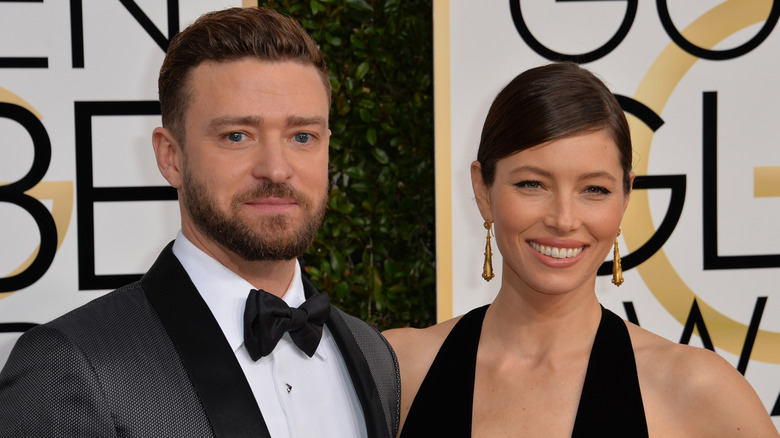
column 556, row 253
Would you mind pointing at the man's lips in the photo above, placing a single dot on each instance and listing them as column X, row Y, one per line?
column 272, row 200
column 271, row 204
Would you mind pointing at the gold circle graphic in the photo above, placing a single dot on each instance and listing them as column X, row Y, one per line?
column 654, row 91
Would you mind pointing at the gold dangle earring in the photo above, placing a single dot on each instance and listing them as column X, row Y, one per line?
column 487, row 268
column 617, row 269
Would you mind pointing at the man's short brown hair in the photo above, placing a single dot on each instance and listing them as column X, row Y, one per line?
column 230, row 35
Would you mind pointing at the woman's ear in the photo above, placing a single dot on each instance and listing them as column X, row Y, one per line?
column 631, row 177
column 169, row 156
column 481, row 191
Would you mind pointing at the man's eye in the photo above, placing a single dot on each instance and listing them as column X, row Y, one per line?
column 302, row 137
column 236, row 136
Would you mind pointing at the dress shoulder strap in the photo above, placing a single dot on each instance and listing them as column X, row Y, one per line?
column 611, row 402
column 442, row 406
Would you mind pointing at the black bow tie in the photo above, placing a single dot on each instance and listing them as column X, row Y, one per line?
column 267, row 317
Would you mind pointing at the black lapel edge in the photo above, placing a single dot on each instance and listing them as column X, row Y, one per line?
column 358, row 369
column 211, row 364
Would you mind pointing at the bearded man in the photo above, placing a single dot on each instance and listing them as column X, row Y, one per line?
column 223, row 336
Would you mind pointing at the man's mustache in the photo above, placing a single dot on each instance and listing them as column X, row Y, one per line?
column 271, row 190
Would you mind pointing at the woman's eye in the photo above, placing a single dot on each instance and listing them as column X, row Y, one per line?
column 236, row 137
column 597, row 190
column 302, row 137
column 529, row 184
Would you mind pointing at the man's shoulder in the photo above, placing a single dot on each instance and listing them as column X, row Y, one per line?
column 381, row 362
column 111, row 309
column 120, row 317
column 107, row 363
column 100, row 330
column 107, row 336
column 364, row 334
column 377, row 352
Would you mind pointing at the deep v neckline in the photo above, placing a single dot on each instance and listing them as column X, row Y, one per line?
column 610, row 404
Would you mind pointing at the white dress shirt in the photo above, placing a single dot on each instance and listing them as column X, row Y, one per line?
column 299, row 396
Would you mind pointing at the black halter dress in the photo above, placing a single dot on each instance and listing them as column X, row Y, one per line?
column 610, row 404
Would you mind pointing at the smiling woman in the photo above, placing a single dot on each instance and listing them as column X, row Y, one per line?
column 563, row 197
column 553, row 179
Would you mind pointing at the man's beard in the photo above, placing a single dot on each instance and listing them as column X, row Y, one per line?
column 271, row 238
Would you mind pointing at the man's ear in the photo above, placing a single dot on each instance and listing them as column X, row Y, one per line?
column 481, row 192
column 169, row 156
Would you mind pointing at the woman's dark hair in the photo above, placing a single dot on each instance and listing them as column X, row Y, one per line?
column 549, row 103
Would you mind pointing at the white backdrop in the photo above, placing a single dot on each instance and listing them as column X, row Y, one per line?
column 82, row 84
column 721, row 210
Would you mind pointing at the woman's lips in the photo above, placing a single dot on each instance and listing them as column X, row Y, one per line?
column 556, row 252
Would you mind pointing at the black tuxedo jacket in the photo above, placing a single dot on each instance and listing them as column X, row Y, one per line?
column 149, row 359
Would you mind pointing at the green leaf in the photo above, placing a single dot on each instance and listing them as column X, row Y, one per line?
column 337, row 264
column 362, row 69
column 365, row 115
column 350, row 84
column 397, row 289
column 391, row 6
column 380, row 155
column 360, row 5
column 360, row 187
column 357, row 41
column 371, row 138
column 342, row 289
column 356, row 171
column 367, row 104
column 316, row 7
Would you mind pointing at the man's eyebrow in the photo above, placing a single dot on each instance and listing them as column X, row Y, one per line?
column 306, row 121
column 221, row 122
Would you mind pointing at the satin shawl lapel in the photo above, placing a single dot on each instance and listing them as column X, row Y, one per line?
column 211, row 365
column 357, row 367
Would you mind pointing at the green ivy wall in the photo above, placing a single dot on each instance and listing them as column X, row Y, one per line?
column 375, row 253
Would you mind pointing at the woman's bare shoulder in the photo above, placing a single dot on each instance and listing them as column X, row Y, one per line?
column 671, row 363
column 415, row 343
column 687, row 387
column 416, row 350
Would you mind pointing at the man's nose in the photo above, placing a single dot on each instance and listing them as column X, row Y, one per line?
column 272, row 162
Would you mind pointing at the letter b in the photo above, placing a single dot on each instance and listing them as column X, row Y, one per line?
column 14, row 193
